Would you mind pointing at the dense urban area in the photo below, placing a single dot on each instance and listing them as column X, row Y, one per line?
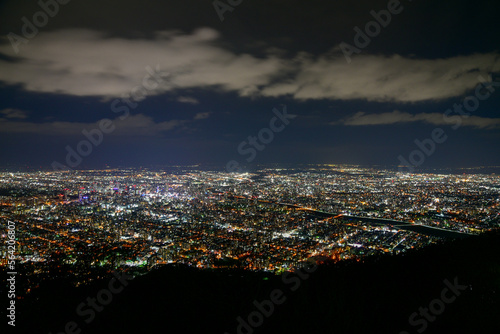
column 273, row 219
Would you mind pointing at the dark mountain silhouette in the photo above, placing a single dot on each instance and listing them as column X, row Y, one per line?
column 376, row 296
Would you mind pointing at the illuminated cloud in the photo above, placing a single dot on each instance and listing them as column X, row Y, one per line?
column 201, row 115
column 89, row 63
column 187, row 99
column 386, row 79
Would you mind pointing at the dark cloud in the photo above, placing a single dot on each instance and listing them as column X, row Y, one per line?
column 397, row 117
column 134, row 125
column 13, row 113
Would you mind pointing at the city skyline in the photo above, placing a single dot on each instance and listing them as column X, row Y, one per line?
column 68, row 232
column 272, row 220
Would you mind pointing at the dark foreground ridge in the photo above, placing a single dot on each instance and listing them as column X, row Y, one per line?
column 448, row 288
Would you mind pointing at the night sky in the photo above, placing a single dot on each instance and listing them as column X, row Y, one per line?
column 168, row 82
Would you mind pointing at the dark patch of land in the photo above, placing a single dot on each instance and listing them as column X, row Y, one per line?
column 376, row 296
